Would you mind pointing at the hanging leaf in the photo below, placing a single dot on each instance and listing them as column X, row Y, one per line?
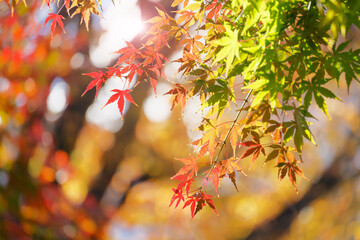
column 120, row 96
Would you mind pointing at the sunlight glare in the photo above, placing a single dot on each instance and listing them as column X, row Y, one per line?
column 4, row 84
column 108, row 118
column 157, row 109
column 57, row 99
column 193, row 117
column 121, row 22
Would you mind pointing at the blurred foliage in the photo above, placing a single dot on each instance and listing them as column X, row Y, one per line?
column 63, row 177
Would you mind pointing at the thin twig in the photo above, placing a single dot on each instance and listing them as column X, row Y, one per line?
column 228, row 133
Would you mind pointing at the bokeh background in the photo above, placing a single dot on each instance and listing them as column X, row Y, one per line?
column 69, row 170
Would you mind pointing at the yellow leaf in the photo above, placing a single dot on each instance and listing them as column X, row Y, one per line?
column 192, row 7
column 176, row 2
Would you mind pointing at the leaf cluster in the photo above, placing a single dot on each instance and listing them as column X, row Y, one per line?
column 282, row 55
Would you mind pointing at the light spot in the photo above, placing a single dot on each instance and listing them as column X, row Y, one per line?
column 47, row 138
column 30, row 86
column 69, row 230
column 61, row 176
column 77, row 60
column 4, row 84
column 305, row 215
column 4, row 179
column 121, row 22
column 356, row 160
column 193, row 117
column 75, row 190
column 57, row 99
column 157, row 109
column 108, row 118
column 21, row 99
column 56, row 41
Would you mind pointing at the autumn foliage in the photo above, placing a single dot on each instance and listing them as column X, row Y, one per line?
column 264, row 62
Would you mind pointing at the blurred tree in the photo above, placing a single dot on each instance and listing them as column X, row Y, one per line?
column 62, row 176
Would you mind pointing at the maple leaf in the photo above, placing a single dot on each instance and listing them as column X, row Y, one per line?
column 176, row 2
column 234, row 138
column 214, row 8
column 47, row 2
column 210, row 141
column 178, row 195
column 231, row 165
column 188, row 62
column 255, row 149
column 151, row 55
column 85, row 8
column 292, row 177
column 127, row 53
column 233, row 180
column 185, row 16
column 190, row 167
column 185, row 182
column 180, row 95
column 204, row 149
column 120, row 95
column 153, row 83
column 215, row 177
column 200, row 201
column 67, row 4
column 56, row 19
column 209, row 201
column 160, row 22
column 193, row 44
column 290, row 168
column 192, row 203
column 294, row 170
column 99, row 79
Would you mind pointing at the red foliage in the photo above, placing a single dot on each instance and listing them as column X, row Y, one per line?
column 120, row 96
column 57, row 19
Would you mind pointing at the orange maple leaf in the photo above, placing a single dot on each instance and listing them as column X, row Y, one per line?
column 190, row 167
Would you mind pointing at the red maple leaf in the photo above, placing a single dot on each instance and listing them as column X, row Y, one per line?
column 67, row 4
column 153, row 83
column 254, row 148
column 56, row 19
column 47, row 2
column 215, row 176
column 100, row 78
column 131, row 69
column 120, row 96
column 209, row 201
column 190, row 167
column 178, row 195
column 198, row 201
column 98, row 81
column 185, row 182
column 127, row 53
column 214, row 8
column 291, row 169
column 192, row 202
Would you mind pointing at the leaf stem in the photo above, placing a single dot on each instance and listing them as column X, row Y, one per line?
column 60, row 8
column 228, row 133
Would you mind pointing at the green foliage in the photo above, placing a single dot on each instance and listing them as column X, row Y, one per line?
column 283, row 53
